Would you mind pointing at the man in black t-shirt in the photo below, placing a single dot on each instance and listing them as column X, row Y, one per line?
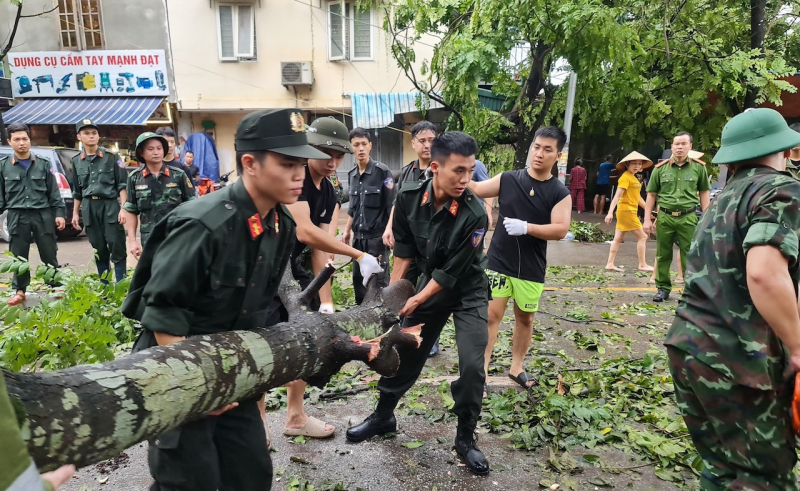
column 312, row 213
column 535, row 207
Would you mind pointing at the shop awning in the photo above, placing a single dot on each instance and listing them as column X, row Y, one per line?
column 101, row 110
column 376, row 110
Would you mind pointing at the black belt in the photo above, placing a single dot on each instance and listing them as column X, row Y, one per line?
column 99, row 197
column 363, row 236
column 677, row 213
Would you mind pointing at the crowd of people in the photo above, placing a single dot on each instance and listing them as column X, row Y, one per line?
column 214, row 264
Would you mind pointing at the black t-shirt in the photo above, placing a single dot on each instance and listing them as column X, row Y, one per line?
column 321, row 203
column 524, row 198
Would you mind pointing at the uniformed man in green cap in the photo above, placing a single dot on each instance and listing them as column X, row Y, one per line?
column 677, row 186
column 213, row 265
column 29, row 192
column 153, row 191
column 100, row 182
column 440, row 224
column 736, row 335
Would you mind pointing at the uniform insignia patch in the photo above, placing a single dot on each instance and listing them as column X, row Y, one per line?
column 189, row 183
column 389, row 183
column 298, row 124
column 141, row 187
column 120, row 163
column 335, row 180
column 171, row 185
column 425, row 198
column 277, row 229
column 454, row 208
column 477, row 237
column 256, row 228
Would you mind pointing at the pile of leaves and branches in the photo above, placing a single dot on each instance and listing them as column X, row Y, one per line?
column 589, row 232
column 625, row 402
column 84, row 326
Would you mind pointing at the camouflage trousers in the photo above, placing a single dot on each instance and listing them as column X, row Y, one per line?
column 743, row 435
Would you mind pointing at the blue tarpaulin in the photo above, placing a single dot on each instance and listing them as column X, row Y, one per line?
column 373, row 110
column 205, row 155
column 100, row 110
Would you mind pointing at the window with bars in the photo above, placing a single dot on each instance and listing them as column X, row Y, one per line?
column 80, row 24
column 349, row 32
column 236, row 32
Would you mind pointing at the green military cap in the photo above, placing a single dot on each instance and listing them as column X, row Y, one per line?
column 331, row 134
column 84, row 123
column 281, row 131
column 755, row 133
column 149, row 135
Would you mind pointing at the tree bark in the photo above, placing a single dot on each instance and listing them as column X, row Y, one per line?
column 758, row 31
column 90, row 413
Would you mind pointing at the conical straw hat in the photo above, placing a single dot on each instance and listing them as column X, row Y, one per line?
column 634, row 156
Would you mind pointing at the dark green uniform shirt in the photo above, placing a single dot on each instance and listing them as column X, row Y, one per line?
column 792, row 169
column 447, row 244
column 210, row 266
column 102, row 175
column 371, row 199
column 153, row 197
column 716, row 320
column 677, row 186
column 32, row 189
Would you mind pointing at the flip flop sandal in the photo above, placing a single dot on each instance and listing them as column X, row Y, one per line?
column 522, row 379
column 314, row 428
column 485, row 390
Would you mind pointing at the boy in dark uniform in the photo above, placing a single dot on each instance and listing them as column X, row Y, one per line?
column 440, row 224
column 213, row 265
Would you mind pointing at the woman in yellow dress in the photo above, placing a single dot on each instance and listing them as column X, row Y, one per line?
column 629, row 199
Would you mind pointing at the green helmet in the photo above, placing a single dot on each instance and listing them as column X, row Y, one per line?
column 755, row 133
column 149, row 135
column 331, row 134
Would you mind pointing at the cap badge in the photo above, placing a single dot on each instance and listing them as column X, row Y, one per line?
column 298, row 124
column 86, row 121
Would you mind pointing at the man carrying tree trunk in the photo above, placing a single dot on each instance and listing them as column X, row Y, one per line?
column 440, row 224
column 100, row 180
column 28, row 190
column 313, row 210
column 212, row 266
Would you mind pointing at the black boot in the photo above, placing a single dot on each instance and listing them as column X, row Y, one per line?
column 661, row 295
column 467, row 448
column 375, row 424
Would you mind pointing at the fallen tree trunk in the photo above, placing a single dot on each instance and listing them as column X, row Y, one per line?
column 89, row 413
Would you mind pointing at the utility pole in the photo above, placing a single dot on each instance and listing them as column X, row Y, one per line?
column 562, row 162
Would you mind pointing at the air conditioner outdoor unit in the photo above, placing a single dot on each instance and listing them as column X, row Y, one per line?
column 296, row 73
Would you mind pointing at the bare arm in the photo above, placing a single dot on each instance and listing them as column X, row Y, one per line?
column 131, row 223
column 772, row 291
column 401, row 265
column 705, row 200
column 486, row 189
column 615, row 201
column 488, row 202
column 650, row 204
column 388, row 234
column 348, row 231
column 431, row 289
column 315, row 237
column 318, row 261
column 560, row 218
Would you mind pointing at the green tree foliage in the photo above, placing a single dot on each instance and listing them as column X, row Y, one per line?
column 644, row 68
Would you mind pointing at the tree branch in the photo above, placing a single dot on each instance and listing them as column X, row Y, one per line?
column 40, row 13
column 13, row 32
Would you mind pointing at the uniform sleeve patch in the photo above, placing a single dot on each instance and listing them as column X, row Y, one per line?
column 389, row 182
column 120, row 163
column 477, row 237
column 189, row 183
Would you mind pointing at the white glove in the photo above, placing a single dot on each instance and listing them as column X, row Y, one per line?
column 369, row 266
column 326, row 308
column 515, row 227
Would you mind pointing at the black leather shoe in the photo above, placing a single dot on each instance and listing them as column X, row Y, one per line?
column 661, row 295
column 466, row 447
column 375, row 424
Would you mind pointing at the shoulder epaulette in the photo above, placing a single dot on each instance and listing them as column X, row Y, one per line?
column 698, row 161
column 178, row 170
column 211, row 212
column 382, row 166
column 661, row 163
column 413, row 186
column 473, row 203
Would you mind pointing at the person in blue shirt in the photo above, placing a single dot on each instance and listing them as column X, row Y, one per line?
column 479, row 174
column 602, row 188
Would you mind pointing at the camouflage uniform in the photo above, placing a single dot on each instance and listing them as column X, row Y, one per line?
column 727, row 363
column 152, row 196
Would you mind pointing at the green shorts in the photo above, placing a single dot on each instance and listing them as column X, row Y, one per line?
column 526, row 294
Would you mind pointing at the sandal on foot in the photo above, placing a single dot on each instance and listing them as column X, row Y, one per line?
column 314, row 428
column 16, row 299
column 485, row 390
column 522, row 379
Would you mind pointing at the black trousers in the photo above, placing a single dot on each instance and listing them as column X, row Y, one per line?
column 26, row 227
column 218, row 453
column 470, row 314
column 376, row 247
